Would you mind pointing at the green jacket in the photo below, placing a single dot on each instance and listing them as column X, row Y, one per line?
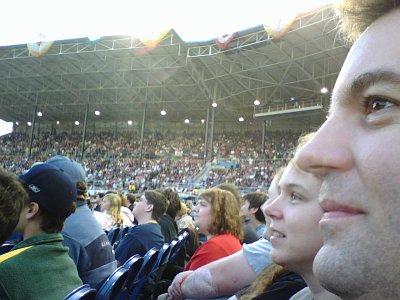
column 38, row 268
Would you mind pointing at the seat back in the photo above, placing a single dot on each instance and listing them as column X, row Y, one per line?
column 174, row 250
column 121, row 234
column 113, row 234
column 113, row 285
column 7, row 246
column 133, row 264
column 149, row 263
column 84, row 292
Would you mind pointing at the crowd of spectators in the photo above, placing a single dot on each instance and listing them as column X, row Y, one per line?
column 113, row 161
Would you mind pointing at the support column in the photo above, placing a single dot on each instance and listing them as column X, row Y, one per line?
column 84, row 132
column 264, row 125
column 206, row 137
column 32, row 131
column 212, row 134
column 142, row 133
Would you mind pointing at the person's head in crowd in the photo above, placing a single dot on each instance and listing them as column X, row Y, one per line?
column 217, row 212
column 233, row 189
column 150, row 206
column 75, row 171
column 356, row 154
column 189, row 205
column 111, row 205
column 12, row 198
column 174, row 202
column 251, row 208
column 131, row 199
column 183, row 211
column 124, row 200
column 52, row 196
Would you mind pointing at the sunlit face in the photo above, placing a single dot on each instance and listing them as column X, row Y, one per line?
column 202, row 215
column 105, row 204
column 244, row 209
column 141, row 207
column 357, row 155
column 294, row 215
column 273, row 193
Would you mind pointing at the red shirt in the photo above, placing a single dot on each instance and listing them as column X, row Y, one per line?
column 215, row 248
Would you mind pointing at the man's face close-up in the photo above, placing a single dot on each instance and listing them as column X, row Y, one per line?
column 357, row 154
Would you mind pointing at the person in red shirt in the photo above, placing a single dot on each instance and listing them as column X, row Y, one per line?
column 217, row 216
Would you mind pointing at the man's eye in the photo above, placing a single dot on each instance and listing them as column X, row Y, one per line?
column 374, row 104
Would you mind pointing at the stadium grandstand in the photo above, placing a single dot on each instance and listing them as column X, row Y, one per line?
column 170, row 113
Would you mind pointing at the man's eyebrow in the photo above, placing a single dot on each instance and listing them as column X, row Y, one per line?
column 362, row 81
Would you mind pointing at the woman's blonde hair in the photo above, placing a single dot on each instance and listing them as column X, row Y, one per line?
column 115, row 208
column 225, row 213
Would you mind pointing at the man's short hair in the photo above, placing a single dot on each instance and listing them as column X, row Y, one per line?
column 356, row 16
column 159, row 202
column 12, row 199
column 256, row 199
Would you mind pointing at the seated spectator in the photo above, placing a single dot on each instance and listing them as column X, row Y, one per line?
column 110, row 214
column 12, row 198
column 183, row 220
column 251, row 209
column 227, row 275
column 167, row 222
column 147, row 234
column 250, row 234
column 125, row 208
column 217, row 217
column 88, row 245
column 295, row 236
column 131, row 199
column 40, row 266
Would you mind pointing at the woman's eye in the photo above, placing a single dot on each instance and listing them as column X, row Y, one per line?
column 374, row 104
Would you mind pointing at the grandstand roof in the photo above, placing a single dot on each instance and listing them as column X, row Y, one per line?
column 118, row 75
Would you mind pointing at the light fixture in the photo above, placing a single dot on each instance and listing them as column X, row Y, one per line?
column 202, row 121
column 214, row 104
column 17, row 123
column 97, row 113
column 163, row 112
column 39, row 113
column 241, row 119
column 76, row 123
column 187, row 121
column 58, row 122
column 129, row 122
column 324, row 90
column 29, row 124
column 257, row 102
column 292, row 98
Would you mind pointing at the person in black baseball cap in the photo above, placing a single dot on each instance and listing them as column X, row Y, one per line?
column 41, row 255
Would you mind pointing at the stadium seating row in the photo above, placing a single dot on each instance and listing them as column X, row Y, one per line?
column 137, row 277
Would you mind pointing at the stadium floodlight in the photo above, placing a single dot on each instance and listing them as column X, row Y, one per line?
column 29, row 123
column 241, row 119
column 58, row 122
column 257, row 102
column 97, row 113
column 187, row 121
column 292, row 98
column 39, row 114
column 17, row 123
column 76, row 123
column 130, row 122
column 163, row 112
column 214, row 104
column 324, row 90
column 202, row 121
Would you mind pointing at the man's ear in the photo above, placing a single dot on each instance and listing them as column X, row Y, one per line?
column 149, row 207
column 31, row 210
column 253, row 210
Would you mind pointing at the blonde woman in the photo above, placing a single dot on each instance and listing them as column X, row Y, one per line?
column 110, row 214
